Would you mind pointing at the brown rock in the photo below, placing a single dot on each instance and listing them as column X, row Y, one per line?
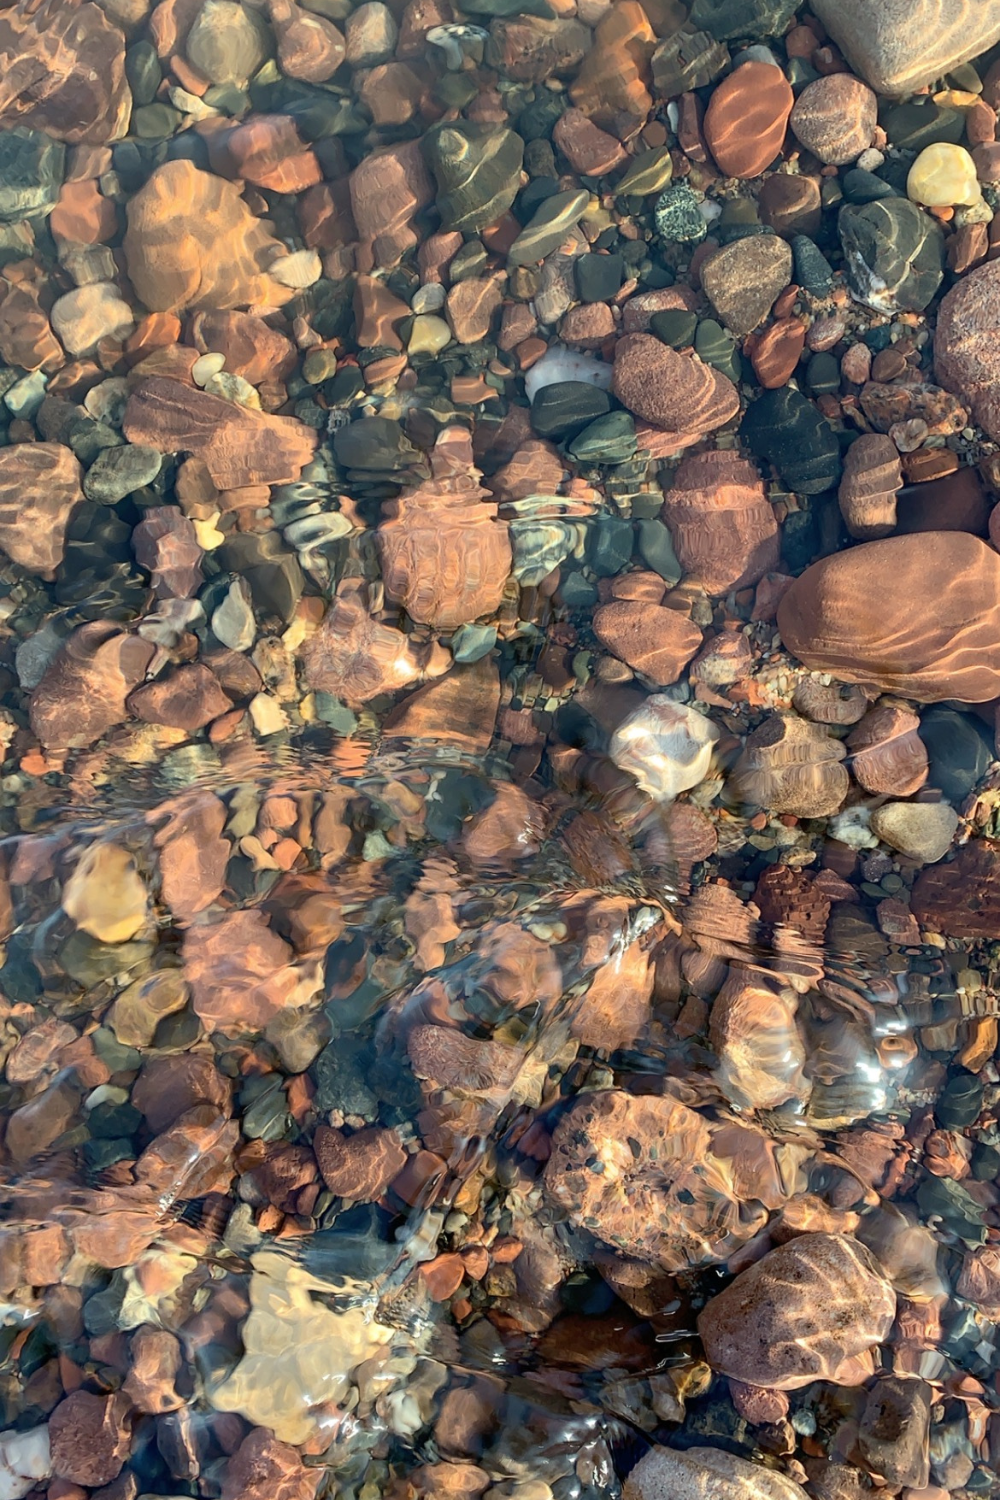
column 856, row 364
column 790, row 203
column 191, row 1159
column 775, row 353
column 461, row 710
column 966, row 349
column 26, row 336
column 240, row 972
column 361, row 1165
column 471, row 305
column 793, row 898
column 192, row 242
column 33, row 1255
column 250, row 347
column 530, row 49
column 536, row 468
column 444, row 555
column 853, row 615
column 661, row 1196
column 961, row 899
column 835, row 118
column 166, row 545
column 872, row 477
column 310, row 48
column 262, row 1468
column 447, row 1059
column 510, row 829
column 39, row 493
column 83, row 692
column 89, row 1437
column 392, row 92
column 589, row 150
column 587, row 326
column 673, row 391
column 656, row 642
column 753, row 1033
column 193, row 855
column 188, row 700
column 746, row 119
column 62, row 71
column 168, row 1086
column 356, row 658
column 791, row 766
column 887, row 754
column 724, row 531
column 955, row 502
column 83, row 216
column 829, row 703
column 155, row 1360
column 743, row 279
column 638, row 310
column 611, row 85
column 268, row 151
column 388, row 187
column 811, row 1310
column 239, row 447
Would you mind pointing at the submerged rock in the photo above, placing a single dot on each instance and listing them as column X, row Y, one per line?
column 665, row 746
column 705, row 1474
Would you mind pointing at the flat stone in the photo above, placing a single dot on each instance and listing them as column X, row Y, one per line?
column 922, row 831
column 785, row 427
column 31, row 173
column 476, row 168
column 894, row 1432
column 958, row 750
column 757, row 19
column 188, row 700
column 117, row 472
column 705, row 1474
column 746, row 119
column 835, row 118
column 676, row 392
column 743, row 280
column 83, row 692
column 63, row 71
column 89, row 1436
column 547, row 227
column 39, row 494
column 899, row 45
column 654, row 641
column 943, row 899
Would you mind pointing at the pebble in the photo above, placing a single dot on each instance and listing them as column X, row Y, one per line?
column 673, row 391
column 31, row 173
column 791, row 766
column 677, row 215
column 922, row 831
column 476, row 169
column 83, row 317
column 89, row 1437
column 547, row 227
column 117, row 472
column 835, row 118
column 746, row 119
column 785, row 428
column 25, row 1459
column 723, row 528
column 589, row 150
column 957, row 748
column 894, row 254
column 667, row 747
column 943, row 176
column 39, row 494
column 227, row 42
column 790, row 203
column 888, row 754
column 743, row 280
column 705, row 1474
column 648, row 172
column 871, row 481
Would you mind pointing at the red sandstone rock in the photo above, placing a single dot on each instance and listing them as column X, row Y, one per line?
column 966, row 345
column 674, row 391
column 760, row 1051
column 83, row 692
column 155, row 1360
column 263, row 1468
column 829, row 703
column 251, row 348
column 356, row 658
column 166, row 545
column 310, row 48
column 887, row 754
column 723, row 527
column 360, row 1165
column 961, row 899
column 39, row 492
column 872, row 477
column 611, row 84
column 447, row 1059
column 388, row 187
column 26, row 336
column 589, row 150
column 854, row 615
column 746, row 119
column 189, row 699
column 509, row 830
column 775, row 352
column 192, row 1158
column 835, row 118
column 268, row 151
column 240, row 972
column 89, row 1437
column 170, row 1085
column 791, row 766
column 654, row 641
column 62, row 71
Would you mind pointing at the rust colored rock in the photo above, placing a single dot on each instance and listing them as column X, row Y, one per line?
column 676, row 392
column 753, row 1033
column 611, row 85
column 62, row 71
column 660, row 1196
column 461, row 710
column 445, row 557
column 361, row 1165
column 388, row 188
column 250, row 347
column 240, row 972
column 26, row 336
column 829, row 703
column 192, row 242
column 39, row 493
column 871, row 480
column 887, row 754
column 793, row 898
column 356, row 658
column 811, row 1310
column 835, row 118
column 168, row 1086
column 954, row 502
column 775, row 352
column 155, row 1360
column 530, row 49
column 268, row 151
column 746, row 119
column 239, row 447
column 654, row 641
column 858, row 615
column 83, row 692
column 638, row 310
column 790, row 204
column 262, row 1468
column 724, row 531
column 470, row 307
column 447, row 1059
column 191, row 1159
column 34, row 1255
column 791, row 766
column 89, row 1437
column 189, row 699
column 587, row 326
column 967, row 347
column 166, row 545
column 193, row 855
column 588, row 149
column 510, row 829
column 310, row 48
column 961, row 899
column 83, row 216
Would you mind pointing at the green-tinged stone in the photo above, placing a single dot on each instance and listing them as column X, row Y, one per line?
column 548, row 227
column 143, row 71
column 267, row 1118
column 469, row 262
column 609, row 440
column 117, row 472
column 598, row 277
column 563, row 409
column 116, row 1057
column 955, row 1204
column 455, row 90
column 341, row 1071
column 649, row 173
column 866, row 187
column 960, row 1102
column 476, row 168
column 911, row 127
column 472, row 642
column 609, row 538
column 330, row 711
column 675, row 326
column 107, row 1121
column 319, row 365
column 717, row 348
column 656, row 548
column 785, row 428
column 155, row 122
column 26, row 395
column 536, row 120
column 677, row 216
column 101, row 1154
column 376, row 443
column 813, row 272
column 510, row 8
column 800, row 73
column 985, row 1163
column 539, row 159
column 687, row 60
column 577, row 591
column 90, row 962
column 31, row 173
column 823, row 374
column 752, row 20
column 894, row 253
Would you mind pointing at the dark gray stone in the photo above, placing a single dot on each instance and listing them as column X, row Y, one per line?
column 958, row 751
column 894, row 254
column 563, row 409
column 785, row 428
column 599, row 277
column 894, row 1432
column 31, row 173
column 677, row 216
column 117, row 472
column 608, row 440
column 756, row 19
column 476, row 168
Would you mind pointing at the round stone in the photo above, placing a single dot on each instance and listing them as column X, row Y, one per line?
column 944, row 176
column 677, row 216
column 922, row 831
column 746, row 119
column 790, row 204
column 835, row 118
column 743, row 280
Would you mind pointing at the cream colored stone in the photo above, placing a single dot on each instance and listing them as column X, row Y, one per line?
column 944, row 176
column 105, row 896
column 705, row 1474
column 429, row 335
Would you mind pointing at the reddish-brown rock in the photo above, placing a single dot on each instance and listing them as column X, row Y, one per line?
column 170, row 1085
column 166, row 545
column 193, row 855
column 916, row 615
column 791, row 766
column 724, row 531
column 83, row 216
column 746, row 119
column 239, row 447
column 588, row 149
column 887, row 754
column 754, row 1035
column 470, row 307
column 388, row 187
column 89, row 1437
column 460, row 710
column 674, row 391
column 829, row 703
column 191, row 1159
column 811, row 1310
column 240, row 972
column 654, row 641
column 445, row 557
column 251, row 348
column 775, row 353
column 448, row 1059
column 62, row 71
column 26, row 336
column 155, row 1360
column 268, row 151
column 39, row 492
column 83, row 692
column 189, row 699
column 961, row 899
column 361, row 1165
column 835, row 118
column 611, row 85
column 967, row 344
column 953, row 502
column 262, row 1468
column 355, row 657
column 872, row 477
column 791, row 204
column 310, row 48
column 192, row 242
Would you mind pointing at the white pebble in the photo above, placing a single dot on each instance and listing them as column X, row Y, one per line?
column 300, row 269
column 665, row 745
column 428, row 298
column 565, row 364
column 208, row 365
column 25, row 1458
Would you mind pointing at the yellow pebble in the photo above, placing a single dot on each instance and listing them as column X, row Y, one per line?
column 944, row 176
column 429, row 335
column 208, row 535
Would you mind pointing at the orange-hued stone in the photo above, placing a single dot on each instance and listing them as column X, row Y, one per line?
column 724, row 531
column 310, row 47
column 747, row 117
column 655, row 641
column 268, row 151
column 356, row 657
column 192, row 242
column 387, row 189
column 83, row 216
column 676, row 392
column 612, row 84
column 26, row 336
column 251, row 348
column 62, row 71
column 460, row 710
column 39, row 491
column 917, row 615
column 83, row 692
